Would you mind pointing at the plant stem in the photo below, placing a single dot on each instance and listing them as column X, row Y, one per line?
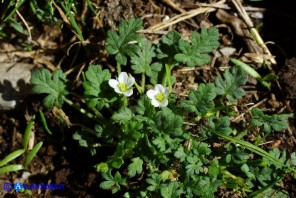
column 17, row 6
column 168, row 75
column 75, row 25
column 139, row 88
column 143, row 82
column 228, row 174
column 124, row 102
column 118, row 68
column 262, row 139
column 81, row 110
column 84, row 112
column 278, row 179
column 70, row 14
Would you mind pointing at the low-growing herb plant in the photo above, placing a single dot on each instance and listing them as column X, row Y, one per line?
column 162, row 144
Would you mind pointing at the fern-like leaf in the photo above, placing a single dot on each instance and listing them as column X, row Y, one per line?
column 230, row 86
column 141, row 62
column 124, row 44
column 200, row 101
column 52, row 84
column 96, row 83
column 201, row 44
column 269, row 122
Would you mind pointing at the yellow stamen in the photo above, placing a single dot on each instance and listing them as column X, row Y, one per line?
column 160, row 97
column 122, row 87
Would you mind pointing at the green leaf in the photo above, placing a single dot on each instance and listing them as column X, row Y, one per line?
column 269, row 122
column 123, row 115
column 214, row 169
column 254, row 149
column 28, row 131
column 171, row 190
column 157, row 73
column 252, row 72
column 200, row 101
column 277, row 155
column 205, row 187
column 17, row 26
column 86, row 139
column 293, row 159
column 53, row 85
column 154, row 180
column 117, row 162
column 201, row 44
column 180, row 154
column 112, row 182
column 95, row 85
column 245, row 168
column 274, row 193
column 168, row 47
column 143, row 58
column 32, row 153
column 169, row 123
column 221, row 124
column 194, row 167
column 264, row 175
column 248, row 69
column 123, row 44
column 270, row 77
column 106, row 185
column 11, row 168
column 230, row 86
column 136, row 167
column 102, row 167
column 160, row 143
column 145, row 107
column 11, row 156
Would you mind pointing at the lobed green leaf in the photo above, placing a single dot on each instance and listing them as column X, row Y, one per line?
column 136, row 167
column 124, row 43
column 53, row 85
column 141, row 61
column 201, row 44
column 96, row 85
column 230, row 85
column 200, row 101
column 269, row 122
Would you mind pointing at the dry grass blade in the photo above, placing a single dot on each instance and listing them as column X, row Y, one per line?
column 242, row 12
column 184, row 16
column 173, row 5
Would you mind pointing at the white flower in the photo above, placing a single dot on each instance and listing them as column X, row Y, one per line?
column 123, row 85
column 158, row 96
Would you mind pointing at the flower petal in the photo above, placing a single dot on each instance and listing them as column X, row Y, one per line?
column 117, row 90
column 113, row 83
column 151, row 94
column 123, row 77
column 164, row 103
column 159, row 88
column 155, row 103
column 130, row 81
column 166, row 91
column 128, row 93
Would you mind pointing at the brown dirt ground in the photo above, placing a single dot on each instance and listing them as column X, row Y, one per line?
column 61, row 160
